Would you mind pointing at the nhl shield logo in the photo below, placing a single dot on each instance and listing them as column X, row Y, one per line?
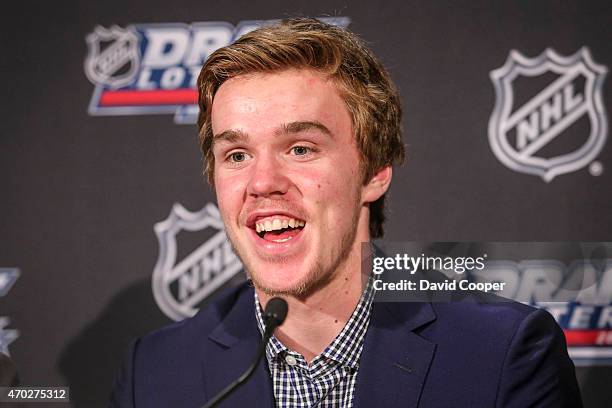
column 180, row 285
column 555, row 127
column 113, row 59
column 8, row 277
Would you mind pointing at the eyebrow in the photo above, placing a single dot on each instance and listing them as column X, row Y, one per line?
column 234, row 136
column 297, row 127
column 231, row 136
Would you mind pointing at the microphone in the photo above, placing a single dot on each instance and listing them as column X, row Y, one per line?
column 273, row 316
column 275, row 313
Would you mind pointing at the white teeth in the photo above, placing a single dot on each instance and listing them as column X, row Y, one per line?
column 282, row 240
column 278, row 224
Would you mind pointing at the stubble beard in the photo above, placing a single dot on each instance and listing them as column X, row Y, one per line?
column 317, row 277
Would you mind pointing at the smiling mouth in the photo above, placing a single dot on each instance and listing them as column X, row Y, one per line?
column 278, row 229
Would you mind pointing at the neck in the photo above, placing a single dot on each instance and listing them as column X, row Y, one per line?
column 314, row 321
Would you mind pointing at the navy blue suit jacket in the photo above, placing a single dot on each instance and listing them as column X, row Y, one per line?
column 460, row 354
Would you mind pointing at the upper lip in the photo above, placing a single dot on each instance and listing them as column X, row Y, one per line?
column 254, row 216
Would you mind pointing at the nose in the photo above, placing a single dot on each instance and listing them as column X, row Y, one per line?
column 268, row 177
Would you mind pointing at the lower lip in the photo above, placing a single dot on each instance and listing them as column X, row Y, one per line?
column 277, row 248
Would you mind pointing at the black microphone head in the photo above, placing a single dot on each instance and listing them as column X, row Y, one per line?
column 276, row 312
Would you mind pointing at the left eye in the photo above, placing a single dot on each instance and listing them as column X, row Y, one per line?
column 300, row 150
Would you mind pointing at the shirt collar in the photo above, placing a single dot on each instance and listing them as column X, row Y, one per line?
column 346, row 348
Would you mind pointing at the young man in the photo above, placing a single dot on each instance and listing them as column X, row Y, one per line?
column 299, row 126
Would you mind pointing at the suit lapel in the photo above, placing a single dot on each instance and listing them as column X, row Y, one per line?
column 229, row 351
column 392, row 369
column 395, row 360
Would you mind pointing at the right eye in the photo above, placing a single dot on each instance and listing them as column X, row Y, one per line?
column 237, row 157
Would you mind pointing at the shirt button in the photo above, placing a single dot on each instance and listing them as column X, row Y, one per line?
column 290, row 360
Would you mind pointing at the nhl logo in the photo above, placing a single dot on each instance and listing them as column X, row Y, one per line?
column 113, row 59
column 549, row 129
column 8, row 277
column 180, row 285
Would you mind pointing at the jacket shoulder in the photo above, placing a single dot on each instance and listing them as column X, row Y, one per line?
column 486, row 318
column 519, row 351
column 164, row 367
column 193, row 329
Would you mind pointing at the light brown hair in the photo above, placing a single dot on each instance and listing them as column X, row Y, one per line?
column 370, row 96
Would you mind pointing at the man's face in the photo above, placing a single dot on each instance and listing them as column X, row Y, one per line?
column 287, row 178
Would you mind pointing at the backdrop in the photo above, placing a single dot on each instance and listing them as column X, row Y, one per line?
column 109, row 230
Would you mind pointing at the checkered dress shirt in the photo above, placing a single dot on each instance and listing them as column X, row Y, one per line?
column 330, row 380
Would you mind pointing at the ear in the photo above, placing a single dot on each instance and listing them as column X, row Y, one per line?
column 377, row 186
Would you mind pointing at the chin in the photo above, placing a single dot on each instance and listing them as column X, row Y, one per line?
column 279, row 284
column 299, row 286
column 279, row 274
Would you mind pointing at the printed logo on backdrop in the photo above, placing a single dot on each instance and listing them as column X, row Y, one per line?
column 555, row 126
column 585, row 316
column 179, row 285
column 153, row 68
column 113, row 57
column 8, row 277
column 586, row 319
